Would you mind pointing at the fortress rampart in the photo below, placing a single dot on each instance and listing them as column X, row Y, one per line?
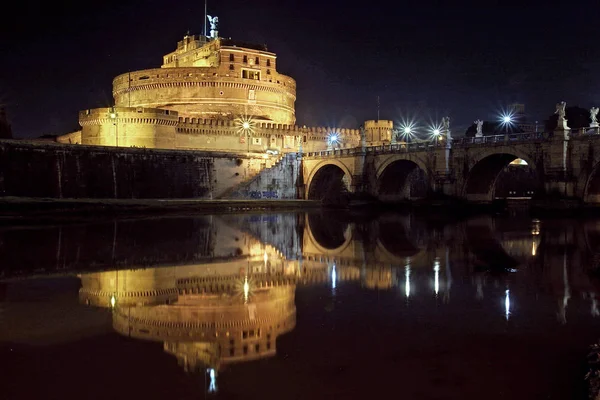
column 128, row 127
column 207, row 93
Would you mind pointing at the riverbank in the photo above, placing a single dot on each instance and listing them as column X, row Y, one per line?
column 35, row 209
column 26, row 209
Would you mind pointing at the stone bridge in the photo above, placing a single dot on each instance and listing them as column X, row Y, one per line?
column 565, row 163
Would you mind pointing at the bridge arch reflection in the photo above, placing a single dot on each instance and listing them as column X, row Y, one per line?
column 327, row 233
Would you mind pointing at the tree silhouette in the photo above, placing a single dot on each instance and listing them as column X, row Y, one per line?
column 5, row 128
column 577, row 117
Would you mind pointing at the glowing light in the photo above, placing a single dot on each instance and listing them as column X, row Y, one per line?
column 436, row 277
column 407, row 281
column 407, row 126
column 518, row 161
column 533, row 249
column 113, row 301
column 246, row 289
column 333, row 277
column 333, row 138
column 212, row 386
column 435, row 130
column 113, row 115
column 245, row 124
column 265, row 258
column 507, row 303
column 506, row 118
column 535, row 230
column 407, row 129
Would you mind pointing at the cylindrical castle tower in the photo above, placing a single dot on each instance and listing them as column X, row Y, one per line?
column 128, row 127
column 219, row 79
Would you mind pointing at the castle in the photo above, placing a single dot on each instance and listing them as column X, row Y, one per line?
column 214, row 94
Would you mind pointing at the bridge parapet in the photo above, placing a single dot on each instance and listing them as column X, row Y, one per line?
column 382, row 149
column 501, row 139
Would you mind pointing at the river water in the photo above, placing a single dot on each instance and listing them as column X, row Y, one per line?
column 299, row 305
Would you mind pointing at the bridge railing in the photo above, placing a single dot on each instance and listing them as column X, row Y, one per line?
column 506, row 138
column 590, row 131
column 386, row 148
column 427, row 145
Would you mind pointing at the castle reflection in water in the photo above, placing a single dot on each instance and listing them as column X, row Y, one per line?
column 221, row 290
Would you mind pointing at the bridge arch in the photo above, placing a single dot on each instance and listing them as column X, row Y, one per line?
column 395, row 174
column 483, row 172
column 591, row 184
column 326, row 177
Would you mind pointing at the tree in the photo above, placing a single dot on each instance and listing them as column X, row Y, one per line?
column 488, row 128
column 5, row 128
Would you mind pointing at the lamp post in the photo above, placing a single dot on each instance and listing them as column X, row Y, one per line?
column 506, row 120
column 436, row 132
column 407, row 133
column 246, row 127
column 113, row 116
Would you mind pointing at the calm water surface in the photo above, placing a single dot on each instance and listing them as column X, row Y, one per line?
column 295, row 305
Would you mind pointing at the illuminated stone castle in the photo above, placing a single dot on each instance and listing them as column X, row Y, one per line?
column 213, row 94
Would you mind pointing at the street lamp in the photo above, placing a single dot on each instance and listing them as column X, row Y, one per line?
column 333, row 139
column 113, row 116
column 245, row 125
column 506, row 120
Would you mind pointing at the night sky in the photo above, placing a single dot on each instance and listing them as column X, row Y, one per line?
column 423, row 59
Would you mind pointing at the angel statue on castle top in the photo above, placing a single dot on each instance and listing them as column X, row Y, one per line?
column 214, row 25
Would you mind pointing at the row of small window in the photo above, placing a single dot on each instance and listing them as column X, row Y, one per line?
column 246, row 73
column 245, row 60
column 245, row 349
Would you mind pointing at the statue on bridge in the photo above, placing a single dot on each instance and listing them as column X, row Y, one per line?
column 562, row 121
column 446, row 128
column 593, row 117
column 560, row 109
column 479, row 124
column 445, row 123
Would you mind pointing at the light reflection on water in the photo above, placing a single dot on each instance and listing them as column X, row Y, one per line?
column 221, row 293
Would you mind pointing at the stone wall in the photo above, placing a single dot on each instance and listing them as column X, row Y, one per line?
column 63, row 171
column 128, row 127
column 277, row 182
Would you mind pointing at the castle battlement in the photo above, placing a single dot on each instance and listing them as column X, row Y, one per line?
column 128, row 115
column 202, row 77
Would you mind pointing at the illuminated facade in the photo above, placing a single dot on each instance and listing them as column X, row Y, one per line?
column 379, row 132
column 210, row 93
